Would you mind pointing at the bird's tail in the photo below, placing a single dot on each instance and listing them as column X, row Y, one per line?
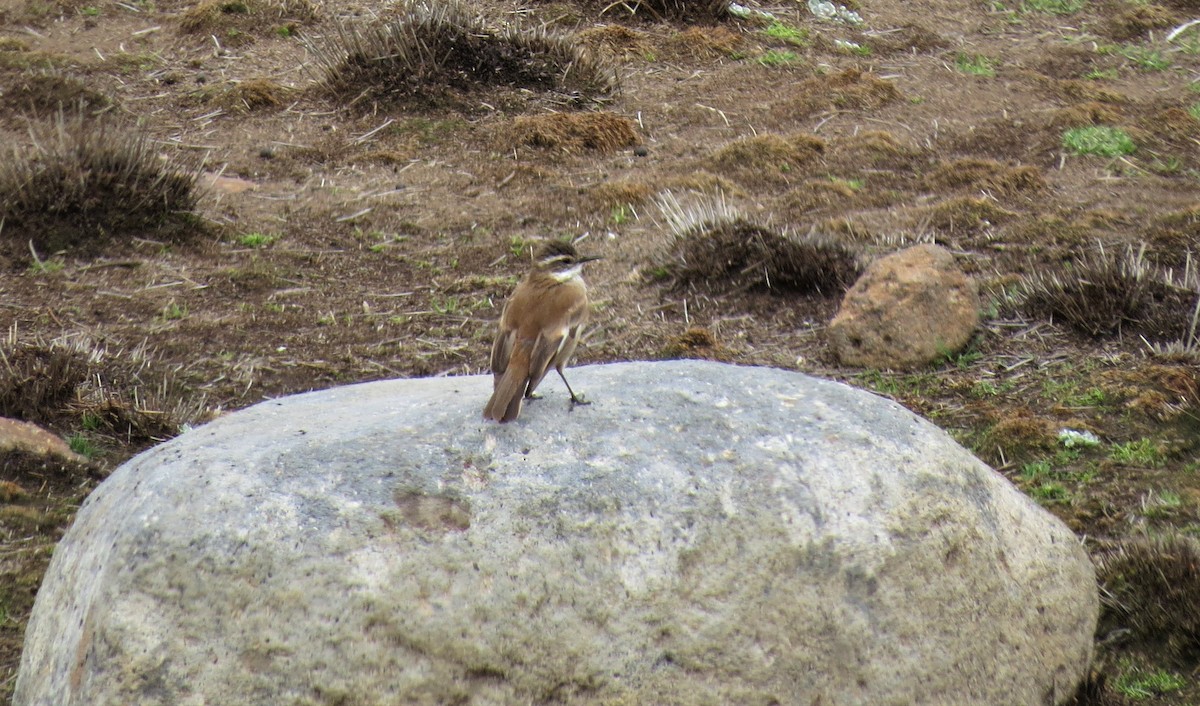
column 505, row 404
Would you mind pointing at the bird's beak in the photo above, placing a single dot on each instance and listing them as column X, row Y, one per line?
column 588, row 258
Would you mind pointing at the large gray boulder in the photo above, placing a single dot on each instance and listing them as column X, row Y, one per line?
column 701, row 534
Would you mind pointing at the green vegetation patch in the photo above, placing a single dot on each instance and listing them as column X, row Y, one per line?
column 1100, row 140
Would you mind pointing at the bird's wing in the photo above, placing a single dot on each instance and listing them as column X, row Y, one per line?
column 502, row 349
column 545, row 348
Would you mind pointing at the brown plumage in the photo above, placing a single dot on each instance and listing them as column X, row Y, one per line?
column 539, row 327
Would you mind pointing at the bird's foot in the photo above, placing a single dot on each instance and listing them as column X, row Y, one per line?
column 578, row 400
column 533, row 396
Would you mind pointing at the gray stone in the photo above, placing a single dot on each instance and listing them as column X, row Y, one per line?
column 701, row 534
column 907, row 310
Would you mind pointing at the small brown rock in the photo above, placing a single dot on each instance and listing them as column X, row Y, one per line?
column 16, row 436
column 906, row 310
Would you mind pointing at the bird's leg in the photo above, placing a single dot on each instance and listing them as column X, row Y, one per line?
column 575, row 399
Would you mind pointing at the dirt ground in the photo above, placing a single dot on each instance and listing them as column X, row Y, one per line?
column 347, row 233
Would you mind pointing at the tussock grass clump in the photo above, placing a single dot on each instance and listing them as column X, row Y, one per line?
column 431, row 47
column 74, row 381
column 1151, row 587
column 716, row 248
column 573, row 132
column 84, row 182
column 1105, row 293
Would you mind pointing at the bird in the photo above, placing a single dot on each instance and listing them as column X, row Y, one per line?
column 539, row 327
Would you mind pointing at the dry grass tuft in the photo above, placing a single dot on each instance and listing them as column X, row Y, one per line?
column 1105, row 293
column 695, row 343
column 966, row 214
column 38, row 382
column 252, row 94
column 985, row 175
column 851, row 89
column 767, row 159
column 702, row 11
column 623, row 192
column 1087, row 113
column 572, row 132
column 445, row 46
column 615, row 40
column 84, row 182
column 214, row 16
column 1131, row 21
column 46, row 92
column 716, row 248
column 77, row 382
column 1151, row 587
column 706, row 43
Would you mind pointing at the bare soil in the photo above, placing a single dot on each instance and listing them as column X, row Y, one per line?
column 344, row 237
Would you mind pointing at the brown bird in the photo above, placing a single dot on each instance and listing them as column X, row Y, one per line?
column 539, row 327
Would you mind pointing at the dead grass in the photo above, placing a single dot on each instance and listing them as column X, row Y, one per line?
column 849, row 90
column 570, row 132
column 985, row 175
column 768, row 159
column 965, row 214
column 251, row 95
column 256, row 16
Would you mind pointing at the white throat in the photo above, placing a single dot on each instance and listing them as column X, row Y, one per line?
column 566, row 275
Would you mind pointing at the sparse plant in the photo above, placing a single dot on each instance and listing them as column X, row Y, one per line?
column 621, row 214
column 173, row 311
column 446, row 306
column 778, row 57
column 975, row 65
column 1145, row 58
column 1101, row 140
column 447, row 46
column 1137, row 683
column 256, row 240
column 85, row 182
column 786, row 33
column 1102, row 74
column 715, row 246
column 1143, row 452
column 1053, row 7
column 83, row 446
column 1161, row 505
